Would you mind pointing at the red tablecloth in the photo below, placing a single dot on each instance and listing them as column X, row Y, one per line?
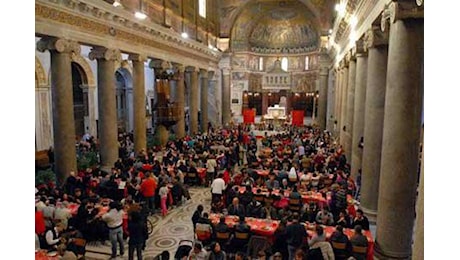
column 42, row 255
column 315, row 197
column 263, row 227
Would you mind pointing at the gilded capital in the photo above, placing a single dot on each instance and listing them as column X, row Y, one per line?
column 104, row 53
column 179, row 68
column 192, row 69
column 405, row 9
column 58, row 44
column 159, row 64
column 137, row 57
column 375, row 37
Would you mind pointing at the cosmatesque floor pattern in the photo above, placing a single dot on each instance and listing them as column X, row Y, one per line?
column 168, row 231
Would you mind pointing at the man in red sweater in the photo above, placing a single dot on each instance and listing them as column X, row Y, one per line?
column 39, row 222
column 148, row 188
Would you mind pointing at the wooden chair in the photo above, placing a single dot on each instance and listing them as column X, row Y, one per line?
column 339, row 246
column 359, row 252
column 222, row 235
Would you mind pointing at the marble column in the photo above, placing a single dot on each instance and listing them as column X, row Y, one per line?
column 62, row 100
column 377, row 45
column 180, row 100
column 226, row 96
column 204, row 100
column 343, row 102
column 194, row 101
column 350, row 106
column 264, row 103
column 358, row 117
column 322, row 100
column 140, row 134
column 107, row 104
column 338, row 89
column 401, row 132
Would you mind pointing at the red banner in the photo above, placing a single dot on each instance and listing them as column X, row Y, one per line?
column 249, row 116
column 297, row 117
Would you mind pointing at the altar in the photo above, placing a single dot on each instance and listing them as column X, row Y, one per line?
column 276, row 115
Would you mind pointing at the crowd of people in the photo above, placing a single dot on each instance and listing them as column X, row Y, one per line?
column 298, row 160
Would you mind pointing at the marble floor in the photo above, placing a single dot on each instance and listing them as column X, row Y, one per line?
column 168, row 231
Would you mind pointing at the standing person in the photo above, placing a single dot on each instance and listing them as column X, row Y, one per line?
column 148, row 187
column 211, row 166
column 296, row 235
column 197, row 215
column 217, row 187
column 114, row 220
column 164, row 196
column 136, row 235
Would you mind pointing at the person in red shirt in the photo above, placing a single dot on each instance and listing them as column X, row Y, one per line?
column 39, row 222
column 147, row 189
column 227, row 174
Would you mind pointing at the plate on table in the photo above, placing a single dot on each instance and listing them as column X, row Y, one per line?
column 53, row 253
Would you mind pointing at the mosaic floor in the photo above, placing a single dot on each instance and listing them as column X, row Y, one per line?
column 168, row 231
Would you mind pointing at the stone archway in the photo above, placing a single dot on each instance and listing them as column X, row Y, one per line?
column 124, row 94
column 40, row 75
column 88, row 80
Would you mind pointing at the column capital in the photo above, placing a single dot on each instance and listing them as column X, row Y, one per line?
column 211, row 74
column 350, row 56
column 137, row 57
column 105, row 53
column 203, row 73
column 192, row 69
column 58, row 44
column 179, row 67
column 359, row 50
column 405, row 9
column 375, row 37
column 159, row 64
column 226, row 71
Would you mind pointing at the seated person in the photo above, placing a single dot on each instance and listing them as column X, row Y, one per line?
column 254, row 209
column 358, row 239
column 324, row 217
column 309, row 212
column 344, row 219
column 361, row 220
column 53, row 237
column 241, row 228
column 204, row 229
column 246, row 196
column 272, row 183
column 198, row 252
column 236, row 208
column 221, row 227
column 269, row 212
column 318, row 237
column 339, row 237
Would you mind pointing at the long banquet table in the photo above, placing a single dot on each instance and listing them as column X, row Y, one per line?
column 267, row 228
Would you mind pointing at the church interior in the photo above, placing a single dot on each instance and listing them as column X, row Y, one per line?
column 317, row 104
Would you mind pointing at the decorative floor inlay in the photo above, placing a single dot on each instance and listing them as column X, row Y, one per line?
column 168, row 231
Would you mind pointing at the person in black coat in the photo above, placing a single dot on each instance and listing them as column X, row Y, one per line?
column 136, row 229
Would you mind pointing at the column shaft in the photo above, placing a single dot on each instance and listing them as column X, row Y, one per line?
column 322, row 101
column 358, row 118
column 107, row 105
column 350, row 108
column 373, row 128
column 194, row 102
column 204, row 101
column 401, row 140
column 62, row 102
column 226, row 108
column 417, row 249
column 343, row 105
column 140, row 135
column 264, row 103
column 180, row 127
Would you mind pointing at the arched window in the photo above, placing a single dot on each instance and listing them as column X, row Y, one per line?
column 284, row 63
column 307, row 63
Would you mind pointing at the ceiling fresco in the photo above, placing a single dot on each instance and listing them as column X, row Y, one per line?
column 275, row 25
